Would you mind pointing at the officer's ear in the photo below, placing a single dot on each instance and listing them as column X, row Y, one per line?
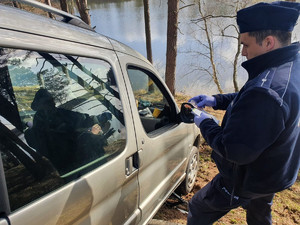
column 270, row 43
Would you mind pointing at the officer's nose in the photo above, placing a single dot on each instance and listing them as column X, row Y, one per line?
column 244, row 52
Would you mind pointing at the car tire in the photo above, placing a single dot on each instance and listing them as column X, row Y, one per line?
column 191, row 172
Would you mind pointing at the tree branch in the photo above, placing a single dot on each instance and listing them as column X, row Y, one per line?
column 186, row 6
column 231, row 25
column 210, row 17
column 229, row 36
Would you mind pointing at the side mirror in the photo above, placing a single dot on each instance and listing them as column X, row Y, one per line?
column 185, row 114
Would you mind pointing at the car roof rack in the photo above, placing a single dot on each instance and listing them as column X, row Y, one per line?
column 67, row 17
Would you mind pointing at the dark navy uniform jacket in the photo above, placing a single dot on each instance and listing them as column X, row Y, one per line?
column 257, row 147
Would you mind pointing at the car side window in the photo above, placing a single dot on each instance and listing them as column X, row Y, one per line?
column 61, row 117
column 153, row 104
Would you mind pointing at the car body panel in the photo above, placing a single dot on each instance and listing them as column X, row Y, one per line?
column 58, row 30
column 15, row 19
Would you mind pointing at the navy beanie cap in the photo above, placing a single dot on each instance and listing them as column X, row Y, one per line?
column 268, row 16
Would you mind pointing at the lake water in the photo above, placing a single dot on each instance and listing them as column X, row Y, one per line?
column 123, row 20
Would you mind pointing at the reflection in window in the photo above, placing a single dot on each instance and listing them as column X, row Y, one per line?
column 153, row 107
column 63, row 112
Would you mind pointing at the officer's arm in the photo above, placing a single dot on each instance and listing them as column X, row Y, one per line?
column 223, row 100
column 254, row 124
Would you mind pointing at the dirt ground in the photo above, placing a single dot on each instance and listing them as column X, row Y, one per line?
column 285, row 209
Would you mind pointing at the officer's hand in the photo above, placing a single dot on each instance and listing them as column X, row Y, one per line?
column 204, row 100
column 203, row 116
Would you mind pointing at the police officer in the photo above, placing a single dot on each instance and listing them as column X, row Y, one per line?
column 257, row 147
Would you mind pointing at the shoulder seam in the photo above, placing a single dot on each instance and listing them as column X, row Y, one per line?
column 287, row 81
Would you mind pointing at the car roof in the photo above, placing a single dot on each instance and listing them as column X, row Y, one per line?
column 15, row 19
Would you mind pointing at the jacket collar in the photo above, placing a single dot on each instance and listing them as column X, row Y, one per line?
column 274, row 58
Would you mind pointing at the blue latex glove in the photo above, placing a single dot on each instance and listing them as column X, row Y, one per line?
column 203, row 100
column 199, row 119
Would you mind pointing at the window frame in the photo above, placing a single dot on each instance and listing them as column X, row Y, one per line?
column 4, row 204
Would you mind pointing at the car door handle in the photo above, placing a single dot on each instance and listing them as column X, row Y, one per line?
column 132, row 163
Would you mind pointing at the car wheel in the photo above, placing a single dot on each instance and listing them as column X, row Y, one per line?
column 191, row 172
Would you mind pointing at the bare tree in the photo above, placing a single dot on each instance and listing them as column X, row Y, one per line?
column 238, row 51
column 64, row 5
column 84, row 11
column 171, row 55
column 224, row 28
column 148, row 30
column 214, row 73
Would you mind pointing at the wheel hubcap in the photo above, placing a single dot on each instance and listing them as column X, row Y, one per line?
column 192, row 173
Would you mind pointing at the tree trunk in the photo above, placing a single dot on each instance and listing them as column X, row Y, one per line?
column 64, row 6
column 48, row 2
column 83, row 11
column 238, row 52
column 148, row 30
column 173, row 8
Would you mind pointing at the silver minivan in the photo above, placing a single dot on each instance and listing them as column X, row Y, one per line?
column 89, row 133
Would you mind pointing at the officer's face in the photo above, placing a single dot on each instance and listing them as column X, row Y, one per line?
column 250, row 48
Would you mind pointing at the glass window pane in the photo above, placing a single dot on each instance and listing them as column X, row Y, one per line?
column 154, row 109
column 64, row 108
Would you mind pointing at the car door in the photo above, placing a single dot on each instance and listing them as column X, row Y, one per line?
column 41, row 182
column 163, row 142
